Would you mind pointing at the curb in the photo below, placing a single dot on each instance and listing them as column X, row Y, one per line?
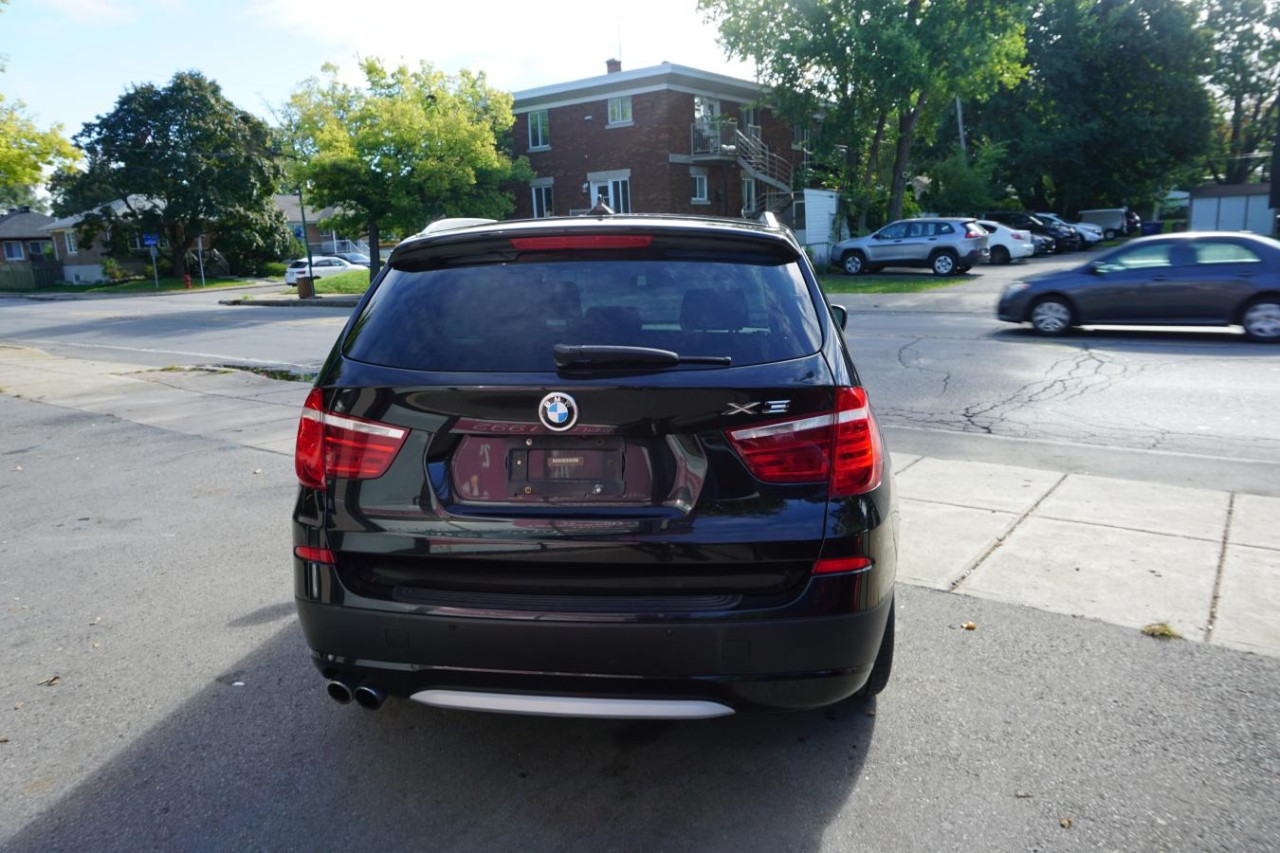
column 296, row 302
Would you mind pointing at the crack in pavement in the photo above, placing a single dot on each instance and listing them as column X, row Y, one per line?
column 1068, row 379
column 902, row 360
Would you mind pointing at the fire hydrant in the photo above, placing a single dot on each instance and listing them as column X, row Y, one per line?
column 186, row 281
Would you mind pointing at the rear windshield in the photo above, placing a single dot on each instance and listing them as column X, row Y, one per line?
column 508, row 317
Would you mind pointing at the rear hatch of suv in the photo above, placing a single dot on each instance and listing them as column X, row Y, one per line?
column 619, row 419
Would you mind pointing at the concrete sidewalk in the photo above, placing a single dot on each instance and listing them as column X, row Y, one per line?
column 1131, row 553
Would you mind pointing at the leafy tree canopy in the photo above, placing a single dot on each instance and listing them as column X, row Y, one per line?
column 1244, row 79
column 877, row 72
column 26, row 150
column 407, row 147
column 1114, row 110
column 182, row 158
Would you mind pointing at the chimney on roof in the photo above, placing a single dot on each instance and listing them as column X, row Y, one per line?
column 613, row 66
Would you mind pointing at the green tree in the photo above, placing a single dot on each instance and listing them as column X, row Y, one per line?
column 26, row 150
column 1114, row 110
column 879, row 73
column 407, row 147
column 1245, row 82
column 966, row 183
column 182, row 159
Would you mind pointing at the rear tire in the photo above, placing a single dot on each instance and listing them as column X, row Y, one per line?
column 1109, row 234
column 1261, row 320
column 884, row 661
column 1000, row 255
column 1052, row 316
column 853, row 263
column 943, row 263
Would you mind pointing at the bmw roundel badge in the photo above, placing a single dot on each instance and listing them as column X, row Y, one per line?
column 558, row 412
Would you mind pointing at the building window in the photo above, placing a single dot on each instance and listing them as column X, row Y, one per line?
column 542, row 203
column 69, row 240
column 12, row 250
column 620, row 110
column 748, row 196
column 40, row 249
column 751, row 122
column 615, row 192
column 800, row 138
column 706, row 110
column 539, row 134
column 698, row 178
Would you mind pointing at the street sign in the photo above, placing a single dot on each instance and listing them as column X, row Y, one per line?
column 150, row 239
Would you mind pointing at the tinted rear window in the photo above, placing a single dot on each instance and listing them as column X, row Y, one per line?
column 508, row 317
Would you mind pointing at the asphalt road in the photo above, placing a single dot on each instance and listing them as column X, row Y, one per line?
column 157, row 695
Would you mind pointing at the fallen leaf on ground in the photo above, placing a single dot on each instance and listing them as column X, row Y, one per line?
column 970, row 626
column 257, row 470
column 3, row 739
column 1065, row 823
column 51, row 681
column 1023, row 795
column 1161, row 631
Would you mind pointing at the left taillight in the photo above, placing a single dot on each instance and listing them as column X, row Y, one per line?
column 842, row 447
column 333, row 445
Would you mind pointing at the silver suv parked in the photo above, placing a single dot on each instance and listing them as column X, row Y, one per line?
column 946, row 246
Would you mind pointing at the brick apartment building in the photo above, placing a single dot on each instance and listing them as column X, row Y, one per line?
column 666, row 139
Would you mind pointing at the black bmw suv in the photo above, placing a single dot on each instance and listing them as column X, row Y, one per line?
column 603, row 466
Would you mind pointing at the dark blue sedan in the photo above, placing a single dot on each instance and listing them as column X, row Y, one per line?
column 1187, row 279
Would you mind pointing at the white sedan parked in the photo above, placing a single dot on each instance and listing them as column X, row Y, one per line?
column 1007, row 244
column 321, row 266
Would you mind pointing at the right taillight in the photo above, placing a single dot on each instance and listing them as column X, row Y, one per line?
column 842, row 447
column 859, row 454
column 333, row 445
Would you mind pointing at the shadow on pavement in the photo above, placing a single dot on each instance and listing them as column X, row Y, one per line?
column 274, row 764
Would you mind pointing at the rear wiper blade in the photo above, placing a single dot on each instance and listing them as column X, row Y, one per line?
column 587, row 355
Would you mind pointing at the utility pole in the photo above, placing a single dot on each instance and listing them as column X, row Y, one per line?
column 302, row 210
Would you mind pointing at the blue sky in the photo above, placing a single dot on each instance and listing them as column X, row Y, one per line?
column 69, row 60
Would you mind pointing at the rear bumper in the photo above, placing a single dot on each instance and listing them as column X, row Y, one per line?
column 763, row 662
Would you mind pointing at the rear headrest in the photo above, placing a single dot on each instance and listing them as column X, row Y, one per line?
column 713, row 311
column 615, row 318
column 562, row 298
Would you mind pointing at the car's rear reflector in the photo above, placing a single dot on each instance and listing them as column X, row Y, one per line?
column 333, row 445
column 834, row 565
column 842, row 447
column 585, row 241
column 314, row 555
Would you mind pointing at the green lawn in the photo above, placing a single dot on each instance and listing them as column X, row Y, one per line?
column 902, row 283
column 352, row 281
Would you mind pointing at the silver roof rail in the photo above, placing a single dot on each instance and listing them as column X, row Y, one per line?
column 455, row 223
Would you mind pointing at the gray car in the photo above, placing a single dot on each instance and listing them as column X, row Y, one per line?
column 1187, row 279
column 946, row 246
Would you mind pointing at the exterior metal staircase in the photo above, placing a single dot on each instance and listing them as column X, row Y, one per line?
column 723, row 140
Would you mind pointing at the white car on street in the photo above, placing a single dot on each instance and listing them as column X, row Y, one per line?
column 1007, row 244
column 321, row 266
